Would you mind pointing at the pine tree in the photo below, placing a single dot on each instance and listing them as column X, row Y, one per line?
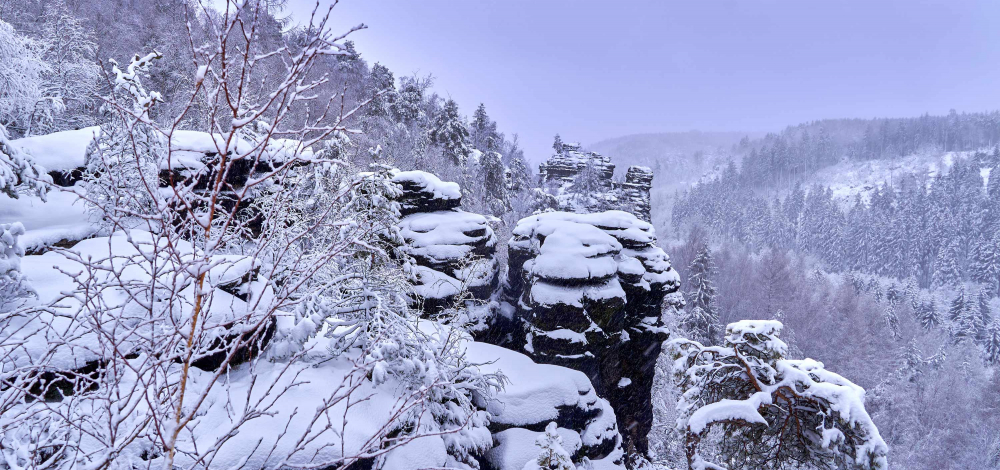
column 407, row 106
column 701, row 319
column 946, row 266
column 957, row 309
column 992, row 344
column 982, row 317
column 450, row 133
column 483, row 131
column 557, row 145
column 381, row 88
column 551, row 455
column 928, row 315
column 493, row 180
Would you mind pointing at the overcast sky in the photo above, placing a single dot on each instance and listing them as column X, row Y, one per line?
column 591, row 70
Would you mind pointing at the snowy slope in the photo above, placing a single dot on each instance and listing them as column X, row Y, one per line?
column 850, row 178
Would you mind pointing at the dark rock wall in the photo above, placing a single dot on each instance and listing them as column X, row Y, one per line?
column 604, row 322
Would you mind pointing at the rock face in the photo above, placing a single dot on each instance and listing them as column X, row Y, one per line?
column 562, row 173
column 587, row 291
column 565, row 165
column 638, row 182
column 454, row 249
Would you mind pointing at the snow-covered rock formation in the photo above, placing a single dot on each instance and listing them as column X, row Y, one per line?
column 454, row 249
column 501, row 437
column 584, row 182
column 587, row 290
column 536, row 395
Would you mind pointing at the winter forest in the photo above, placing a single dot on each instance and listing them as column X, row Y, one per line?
column 232, row 239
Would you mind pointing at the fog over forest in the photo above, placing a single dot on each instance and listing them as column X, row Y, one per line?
column 280, row 234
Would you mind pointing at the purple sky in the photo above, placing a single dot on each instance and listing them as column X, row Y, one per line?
column 591, row 70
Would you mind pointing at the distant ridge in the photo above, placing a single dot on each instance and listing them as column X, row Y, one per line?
column 683, row 152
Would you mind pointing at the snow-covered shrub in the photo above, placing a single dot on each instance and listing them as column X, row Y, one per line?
column 12, row 283
column 18, row 172
column 551, row 455
column 773, row 411
column 123, row 162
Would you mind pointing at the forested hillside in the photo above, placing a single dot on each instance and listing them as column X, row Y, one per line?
column 909, row 260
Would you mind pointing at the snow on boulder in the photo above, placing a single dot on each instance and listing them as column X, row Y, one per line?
column 424, row 192
column 536, row 395
column 61, row 219
column 563, row 169
column 63, row 154
column 59, row 151
column 130, row 256
column 454, row 249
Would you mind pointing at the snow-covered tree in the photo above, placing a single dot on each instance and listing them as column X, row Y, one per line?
column 70, row 81
column 956, row 311
column 12, row 284
column 772, row 411
column 450, row 133
column 700, row 319
column 21, row 72
column 483, row 131
column 18, row 172
column 927, row 315
column 127, row 152
column 992, row 344
column 551, row 454
column 984, row 265
column 492, row 176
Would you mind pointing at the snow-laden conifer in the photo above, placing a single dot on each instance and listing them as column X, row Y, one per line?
column 772, row 411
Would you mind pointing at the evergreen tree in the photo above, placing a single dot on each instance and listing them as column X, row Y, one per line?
column 957, row 309
column 483, row 131
column 450, row 133
column 407, row 108
column 946, row 266
column 381, row 88
column 982, row 317
column 551, row 454
column 701, row 318
column 493, row 179
column 557, row 145
column 992, row 344
column 984, row 266
column 928, row 315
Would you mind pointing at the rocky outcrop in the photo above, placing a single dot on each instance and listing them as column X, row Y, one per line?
column 587, row 290
column 635, row 189
column 584, row 182
column 565, row 165
column 454, row 249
